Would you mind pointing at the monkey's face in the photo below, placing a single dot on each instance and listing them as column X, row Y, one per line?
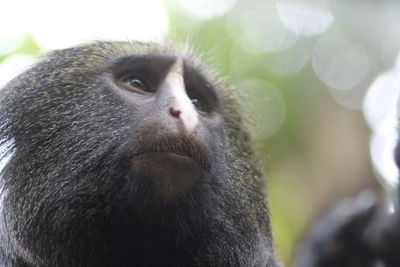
column 116, row 120
column 175, row 118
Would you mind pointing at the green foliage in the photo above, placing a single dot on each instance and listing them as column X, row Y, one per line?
column 28, row 47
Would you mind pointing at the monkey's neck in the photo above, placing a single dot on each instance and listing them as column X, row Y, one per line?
column 179, row 235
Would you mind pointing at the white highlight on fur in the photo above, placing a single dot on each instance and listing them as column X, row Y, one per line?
column 2, row 196
column 174, row 86
column 4, row 159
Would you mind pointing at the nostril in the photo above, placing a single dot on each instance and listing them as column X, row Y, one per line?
column 175, row 112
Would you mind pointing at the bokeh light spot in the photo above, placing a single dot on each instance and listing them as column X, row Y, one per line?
column 10, row 41
column 289, row 62
column 382, row 147
column 63, row 24
column 306, row 17
column 264, row 107
column 207, row 8
column 13, row 66
column 338, row 62
column 264, row 29
column 385, row 89
column 380, row 111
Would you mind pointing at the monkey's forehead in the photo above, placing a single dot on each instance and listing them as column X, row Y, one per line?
column 96, row 56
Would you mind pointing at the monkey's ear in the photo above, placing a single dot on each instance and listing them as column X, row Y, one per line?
column 338, row 237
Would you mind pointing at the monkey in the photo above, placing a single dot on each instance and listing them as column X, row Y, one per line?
column 355, row 232
column 128, row 154
column 352, row 233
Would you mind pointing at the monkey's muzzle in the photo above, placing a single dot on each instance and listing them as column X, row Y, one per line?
column 172, row 165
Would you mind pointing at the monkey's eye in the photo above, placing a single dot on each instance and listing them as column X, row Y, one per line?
column 199, row 103
column 134, row 83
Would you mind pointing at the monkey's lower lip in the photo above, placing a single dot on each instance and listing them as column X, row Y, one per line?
column 176, row 156
column 173, row 155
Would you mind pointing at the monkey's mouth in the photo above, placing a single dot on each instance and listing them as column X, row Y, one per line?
column 166, row 158
column 172, row 166
column 183, row 150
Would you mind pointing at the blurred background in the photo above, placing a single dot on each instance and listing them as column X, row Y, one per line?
column 318, row 81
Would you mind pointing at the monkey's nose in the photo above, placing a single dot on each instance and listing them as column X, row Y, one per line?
column 176, row 112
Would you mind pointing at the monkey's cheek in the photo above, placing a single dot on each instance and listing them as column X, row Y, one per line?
column 171, row 175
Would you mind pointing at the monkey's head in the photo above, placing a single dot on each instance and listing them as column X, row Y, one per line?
column 116, row 131
column 124, row 111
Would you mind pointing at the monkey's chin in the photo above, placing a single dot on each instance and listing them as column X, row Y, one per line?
column 171, row 174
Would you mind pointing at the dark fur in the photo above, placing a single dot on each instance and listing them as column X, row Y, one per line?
column 71, row 197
